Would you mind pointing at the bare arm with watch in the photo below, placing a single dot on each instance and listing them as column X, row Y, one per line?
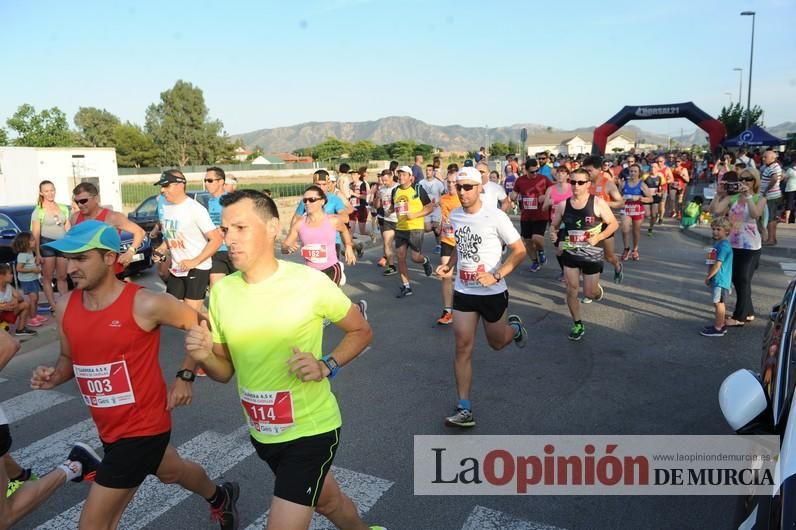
column 513, row 261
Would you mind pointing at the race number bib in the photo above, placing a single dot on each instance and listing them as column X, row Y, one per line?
column 633, row 209
column 386, row 204
column 530, row 203
column 354, row 201
column 104, row 385
column 268, row 412
column 402, row 208
column 710, row 258
column 578, row 238
column 314, row 253
column 468, row 274
column 447, row 231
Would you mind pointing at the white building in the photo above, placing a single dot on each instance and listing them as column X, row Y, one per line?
column 568, row 144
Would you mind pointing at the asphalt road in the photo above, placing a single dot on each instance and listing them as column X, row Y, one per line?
column 642, row 368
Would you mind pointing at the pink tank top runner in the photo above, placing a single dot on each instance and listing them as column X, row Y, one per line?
column 318, row 248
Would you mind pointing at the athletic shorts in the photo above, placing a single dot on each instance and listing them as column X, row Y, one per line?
column 790, row 200
column 656, row 199
column 359, row 215
column 528, row 229
column 434, row 217
column 335, row 273
column 388, row 226
column 446, row 249
column 190, row 287
column 48, row 252
column 300, row 465
column 719, row 294
column 775, row 208
column 585, row 266
column 8, row 316
column 490, row 306
column 222, row 264
column 128, row 461
column 28, row 287
column 5, row 439
column 413, row 238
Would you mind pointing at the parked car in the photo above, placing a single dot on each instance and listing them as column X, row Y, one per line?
column 15, row 219
column 145, row 214
column 763, row 404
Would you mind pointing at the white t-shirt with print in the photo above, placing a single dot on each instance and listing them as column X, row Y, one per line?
column 479, row 244
column 434, row 189
column 385, row 193
column 184, row 227
column 493, row 194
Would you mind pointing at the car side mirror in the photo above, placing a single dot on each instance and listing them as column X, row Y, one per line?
column 8, row 233
column 743, row 401
column 772, row 316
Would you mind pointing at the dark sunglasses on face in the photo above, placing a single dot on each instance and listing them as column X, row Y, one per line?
column 211, row 180
column 83, row 201
column 747, row 179
column 465, row 187
column 579, row 182
column 311, row 199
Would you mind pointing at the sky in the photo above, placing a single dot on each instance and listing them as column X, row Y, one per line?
column 264, row 64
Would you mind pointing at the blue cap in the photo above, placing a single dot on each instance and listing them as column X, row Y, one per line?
column 88, row 235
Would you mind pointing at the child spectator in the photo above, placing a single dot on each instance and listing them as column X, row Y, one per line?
column 28, row 274
column 13, row 308
column 691, row 213
column 719, row 276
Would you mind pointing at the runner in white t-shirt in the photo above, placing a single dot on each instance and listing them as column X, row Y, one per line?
column 387, row 220
column 492, row 194
column 434, row 189
column 192, row 239
column 480, row 289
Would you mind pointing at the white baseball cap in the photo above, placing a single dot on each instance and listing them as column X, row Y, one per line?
column 405, row 169
column 469, row 173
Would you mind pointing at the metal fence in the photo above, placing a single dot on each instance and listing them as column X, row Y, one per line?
column 133, row 193
column 226, row 167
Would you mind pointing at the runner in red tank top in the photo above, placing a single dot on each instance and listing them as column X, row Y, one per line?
column 86, row 196
column 110, row 337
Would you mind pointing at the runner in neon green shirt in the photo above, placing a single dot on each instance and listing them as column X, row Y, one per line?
column 267, row 322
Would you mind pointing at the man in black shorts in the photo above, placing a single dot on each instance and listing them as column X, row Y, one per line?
column 529, row 192
column 214, row 184
column 480, row 289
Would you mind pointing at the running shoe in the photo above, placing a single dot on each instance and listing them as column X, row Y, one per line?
column 404, row 292
column 427, row 266
column 520, row 339
column 389, row 271
column 382, row 261
column 89, row 459
column 586, row 300
column 576, row 332
column 14, row 485
column 710, row 331
column 462, row 418
column 38, row 318
column 542, row 258
column 602, row 293
column 619, row 275
column 445, row 319
column 660, row 220
column 634, row 255
column 360, row 248
column 25, row 332
column 226, row 514
column 438, row 249
column 625, row 254
column 649, row 232
column 535, row 266
column 363, row 307
column 34, row 323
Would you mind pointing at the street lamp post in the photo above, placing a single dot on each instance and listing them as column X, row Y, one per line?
column 729, row 96
column 751, row 57
column 740, row 82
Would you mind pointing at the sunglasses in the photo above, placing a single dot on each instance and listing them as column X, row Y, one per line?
column 465, row 187
column 211, row 180
column 747, row 179
column 83, row 201
column 311, row 199
column 579, row 182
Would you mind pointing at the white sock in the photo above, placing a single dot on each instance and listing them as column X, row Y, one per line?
column 67, row 468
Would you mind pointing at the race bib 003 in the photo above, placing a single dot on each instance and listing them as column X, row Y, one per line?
column 104, row 385
column 268, row 412
column 315, row 253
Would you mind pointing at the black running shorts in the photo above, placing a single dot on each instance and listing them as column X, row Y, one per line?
column 128, row 461
column 585, row 266
column 190, row 287
column 446, row 249
column 528, row 229
column 490, row 306
column 335, row 272
column 222, row 264
column 300, row 465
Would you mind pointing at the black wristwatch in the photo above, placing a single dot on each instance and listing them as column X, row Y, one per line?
column 186, row 375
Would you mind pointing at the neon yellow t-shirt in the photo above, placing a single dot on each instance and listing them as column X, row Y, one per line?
column 260, row 324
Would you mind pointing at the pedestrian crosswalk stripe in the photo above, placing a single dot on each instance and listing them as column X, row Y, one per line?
column 788, row 267
column 3, row 379
column 487, row 519
column 52, row 450
column 30, row 403
column 364, row 490
column 215, row 452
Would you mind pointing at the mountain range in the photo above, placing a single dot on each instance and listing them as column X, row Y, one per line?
column 447, row 137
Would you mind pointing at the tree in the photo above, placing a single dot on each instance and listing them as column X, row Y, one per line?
column 47, row 128
column 362, row 151
column 734, row 118
column 181, row 129
column 3, row 136
column 329, row 149
column 402, row 150
column 96, row 126
column 499, row 149
column 134, row 148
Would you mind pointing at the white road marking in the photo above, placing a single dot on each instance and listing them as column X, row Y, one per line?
column 31, row 403
column 215, row 452
column 364, row 490
column 51, row 451
column 788, row 267
column 486, row 519
column 3, row 379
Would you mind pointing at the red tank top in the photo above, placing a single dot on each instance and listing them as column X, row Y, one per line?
column 600, row 189
column 116, row 367
column 117, row 267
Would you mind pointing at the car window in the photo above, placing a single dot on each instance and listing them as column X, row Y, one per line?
column 148, row 208
column 202, row 198
column 6, row 223
column 21, row 218
column 775, row 366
